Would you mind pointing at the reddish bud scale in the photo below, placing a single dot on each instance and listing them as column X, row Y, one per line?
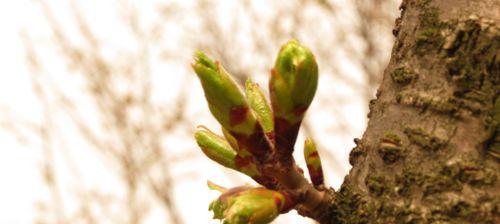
column 300, row 110
column 256, row 143
column 243, row 161
column 314, row 155
column 290, row 202
column 247, row 162
column 271, row 136
column 286, row 132
column 277, row 201
column 313, row 162
column 316, row 175
column 237, row 115
column 273, row 73
column 286, row 135
column 266, row 181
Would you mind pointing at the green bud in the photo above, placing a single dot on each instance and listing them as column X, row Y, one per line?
column 225, row 100
column 219, row 150
column 293, row 82
column 313, row 162
column 258, row 103
column 216, row 148
column 243, row 205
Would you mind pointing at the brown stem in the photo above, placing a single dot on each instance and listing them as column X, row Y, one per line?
column 310, row 201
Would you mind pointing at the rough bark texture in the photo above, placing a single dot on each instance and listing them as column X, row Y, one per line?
column 431, row 150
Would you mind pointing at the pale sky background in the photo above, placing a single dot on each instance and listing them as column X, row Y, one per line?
column 22, row 187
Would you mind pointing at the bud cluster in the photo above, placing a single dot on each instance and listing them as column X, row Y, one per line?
column 258, row 134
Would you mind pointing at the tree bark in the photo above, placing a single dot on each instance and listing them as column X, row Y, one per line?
column 431, row 151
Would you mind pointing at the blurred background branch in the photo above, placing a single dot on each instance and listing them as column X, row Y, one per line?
column 117, row 100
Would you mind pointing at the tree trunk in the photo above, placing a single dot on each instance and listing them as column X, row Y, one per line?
column 431, row 151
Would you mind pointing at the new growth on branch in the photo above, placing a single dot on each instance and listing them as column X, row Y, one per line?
column 258, row 138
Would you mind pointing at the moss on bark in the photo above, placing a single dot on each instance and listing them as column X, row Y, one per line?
column 431, row 151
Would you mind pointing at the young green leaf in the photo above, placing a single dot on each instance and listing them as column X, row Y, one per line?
column 219, row 150
column 225, row 100
column 258, row 103
column 216, row 148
